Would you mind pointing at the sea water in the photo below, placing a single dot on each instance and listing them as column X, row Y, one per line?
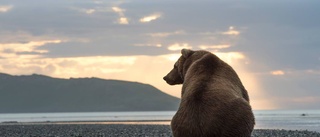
column 87, row 116
column 265, row 119
column 288, row 119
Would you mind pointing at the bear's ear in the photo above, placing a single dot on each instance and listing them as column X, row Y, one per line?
column 186, row 52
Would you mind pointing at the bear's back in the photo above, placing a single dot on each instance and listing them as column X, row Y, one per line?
column 214, row 101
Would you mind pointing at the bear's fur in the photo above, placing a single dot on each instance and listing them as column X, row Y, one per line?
column 214, row 103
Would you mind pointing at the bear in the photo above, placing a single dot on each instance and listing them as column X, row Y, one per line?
column 214, row 103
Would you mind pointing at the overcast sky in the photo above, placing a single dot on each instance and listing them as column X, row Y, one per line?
column 273, row 45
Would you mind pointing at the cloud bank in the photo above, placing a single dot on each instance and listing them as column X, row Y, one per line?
column 275, row 51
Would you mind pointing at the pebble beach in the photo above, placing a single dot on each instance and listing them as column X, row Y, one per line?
column 119, row 130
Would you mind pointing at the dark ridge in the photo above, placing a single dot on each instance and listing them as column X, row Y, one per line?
column 39, row 93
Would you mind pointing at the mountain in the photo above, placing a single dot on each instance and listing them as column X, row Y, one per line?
column 39, row 93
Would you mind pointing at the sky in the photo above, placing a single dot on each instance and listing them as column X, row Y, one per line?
column 273, row 45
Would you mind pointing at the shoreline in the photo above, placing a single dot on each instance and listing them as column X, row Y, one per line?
column 105, row 129
column 127, row 122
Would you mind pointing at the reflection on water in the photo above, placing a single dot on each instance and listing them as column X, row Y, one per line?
column 89, row 116
column 167, row 122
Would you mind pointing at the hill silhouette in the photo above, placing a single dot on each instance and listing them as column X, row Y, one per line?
column 39, row 93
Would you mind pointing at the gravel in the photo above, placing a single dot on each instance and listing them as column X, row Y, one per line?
column 121, row 130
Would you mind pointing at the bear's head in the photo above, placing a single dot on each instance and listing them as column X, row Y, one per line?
column 176, row 75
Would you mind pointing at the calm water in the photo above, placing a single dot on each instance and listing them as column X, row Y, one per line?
column 288, row 119
column 265, row 119
column 89, row 116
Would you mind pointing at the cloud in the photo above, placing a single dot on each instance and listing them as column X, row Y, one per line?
column 23, row 37
column 231, row 31
column 95, row 32
column 144, row 69
column 166, row 34
column 67, row 67
column 122, row 19
column 85, row 10
column 205, row 47
column 150, row 17
column 119, row 10
column 172, row 57
column 148, row 45
column 297, row 102
column 179, row 46
column 100, row 7
column 295, row 72
column 307, row 99
column 277, row 72
column 14, row 36
column 292, row 89
column 313, row 71
column 231, row 57
column 90, row 11
column 29, row 49
column 97, row 2
column 5, row 8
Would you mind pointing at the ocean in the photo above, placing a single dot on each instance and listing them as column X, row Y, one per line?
column 265, row 119
column 288, row 119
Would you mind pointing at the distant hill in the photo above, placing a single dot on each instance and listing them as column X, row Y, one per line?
column 39, row 93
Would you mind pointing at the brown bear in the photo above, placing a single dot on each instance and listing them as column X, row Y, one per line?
column 214, row 103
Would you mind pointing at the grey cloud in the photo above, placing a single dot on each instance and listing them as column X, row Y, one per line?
column 281, row 47
column 7, row 51
column 42, row 17
column 274, row 35
column 76, row 49
column 29, row 53
column 275, row 32
column 285, row 90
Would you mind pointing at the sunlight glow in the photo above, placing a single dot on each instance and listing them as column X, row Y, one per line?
column 310, row 71
column 150, row 18
column 172, row 57
column 231, row 31
column 308, row 99
column 5, row 8
column 277, row 72
column 166, row 34
column 178, row 46
column 118, row 10
column 97, row 2
column 230, row 57
column 10, row 50
column 122, row 18
column 204, row 47
column 148, row 45
column 68, row 67
column 90, row 11
column 238, row 62
column 131, row 68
